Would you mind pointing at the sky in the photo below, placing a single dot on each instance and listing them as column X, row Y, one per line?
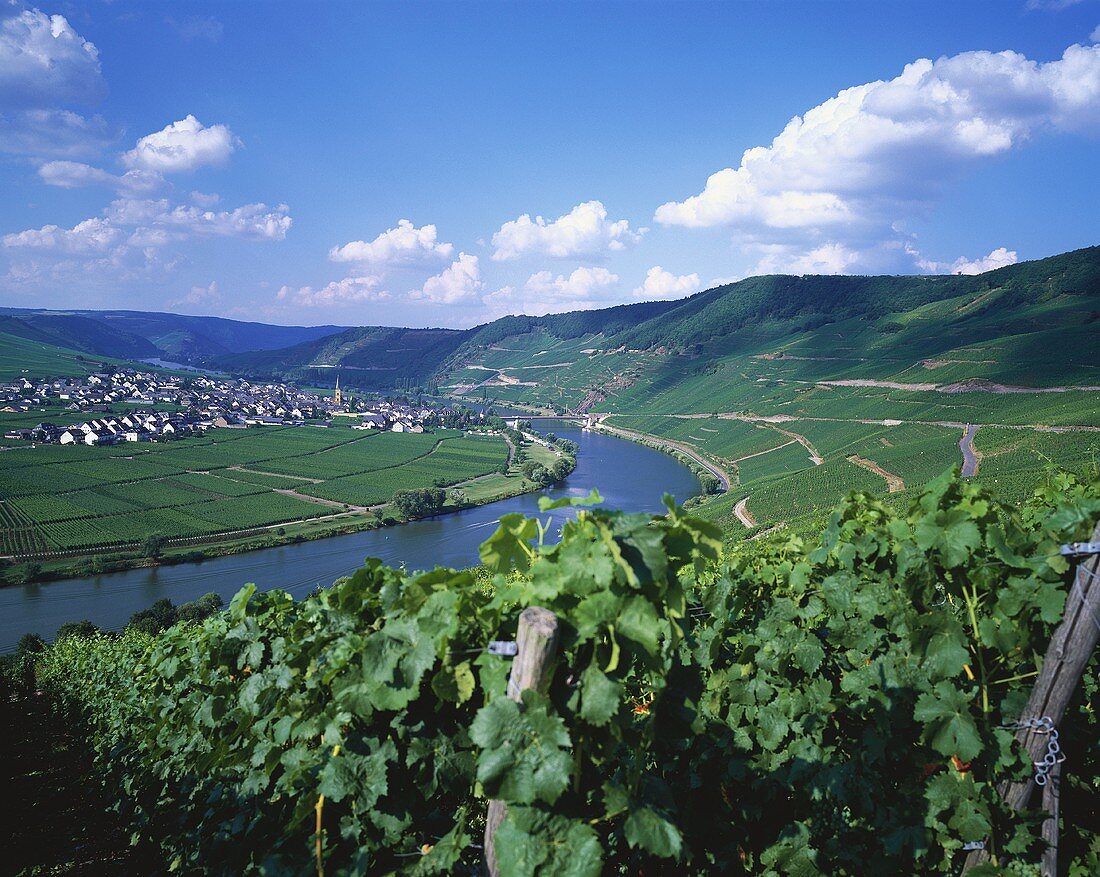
column 444, row 164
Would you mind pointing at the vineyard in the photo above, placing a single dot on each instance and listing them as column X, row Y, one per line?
column 842, row 706
column 98, row 498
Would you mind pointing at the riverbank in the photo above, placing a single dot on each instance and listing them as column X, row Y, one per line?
column 684, row 453
column 471, row 493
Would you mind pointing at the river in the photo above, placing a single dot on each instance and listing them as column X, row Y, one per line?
column 628, row 475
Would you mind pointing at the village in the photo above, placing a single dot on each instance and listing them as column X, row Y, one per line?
column 133, row 406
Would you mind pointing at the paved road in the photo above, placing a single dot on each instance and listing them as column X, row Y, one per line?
column 970, row 456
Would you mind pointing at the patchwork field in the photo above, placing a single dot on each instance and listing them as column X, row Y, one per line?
column 63, row 499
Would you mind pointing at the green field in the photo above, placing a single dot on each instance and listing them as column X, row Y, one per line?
column 79, row 498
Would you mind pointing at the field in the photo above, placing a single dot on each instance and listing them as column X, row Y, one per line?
column 72, row 499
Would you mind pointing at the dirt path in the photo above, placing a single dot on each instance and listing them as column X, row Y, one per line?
column 743, row 513
column 762, row 453
column 972, row 459
column 893, row 482
column 805, row 442
column 331, row 503
column 275, row 474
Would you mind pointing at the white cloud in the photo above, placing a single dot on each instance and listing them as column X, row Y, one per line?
column 998, row 258
column 545, row 293
column 830, row 258
column 660, row 283
column 182, row 146
column 405, row 245
column 205, row 199
column 830, row 191
column 1095, row 35
column 458, row 283
column 202, row 295
column 248, row 221
column 74, row 174
column 350, row 290
column 89, row 236
column 582, row 284
column 44, row 61
column 53, row 133
column 584, row 232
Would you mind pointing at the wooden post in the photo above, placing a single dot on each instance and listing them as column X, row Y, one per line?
column 1067, row 655
column 1052, row 792
column 532, row 668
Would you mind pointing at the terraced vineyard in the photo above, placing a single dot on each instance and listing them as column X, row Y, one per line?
column 74, row 499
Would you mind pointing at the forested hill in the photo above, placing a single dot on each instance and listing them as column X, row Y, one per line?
column 599, row 352
column 143, row 334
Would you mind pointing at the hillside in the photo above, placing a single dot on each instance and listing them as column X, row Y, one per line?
column 377, row 356
column 140, row 334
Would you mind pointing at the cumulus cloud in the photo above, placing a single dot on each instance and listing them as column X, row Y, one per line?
column 660, row 283
column 998, row 258
column 460, row 282
column 405, row 245
column 205, row 199
column 202, row 295
column 75, row 174
column 1095, row 35
column 584, row 232
column 256, row 221
column 182, row 146
column 545, row 293
column 582, row 284
column 89, row 236
column 44, row 61
column 350, row 290
column 833, row 187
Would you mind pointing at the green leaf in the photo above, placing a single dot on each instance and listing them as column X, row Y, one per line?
column 599, row 697
column 546, row 504
column 524, row 755
column 510, row 546
column 949, row 726
column 455, row 684
column 649, row 830
column 531, row 841
column 638, row 621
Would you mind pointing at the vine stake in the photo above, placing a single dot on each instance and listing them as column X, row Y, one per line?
column 533, row 667
column 1069, row 651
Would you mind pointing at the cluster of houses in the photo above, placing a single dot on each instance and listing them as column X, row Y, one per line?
column 111, row 406
column 138, row 426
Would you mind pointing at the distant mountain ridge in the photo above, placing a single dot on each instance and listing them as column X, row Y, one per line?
column 927, row 315
column 144, row 334
column 1034, row 318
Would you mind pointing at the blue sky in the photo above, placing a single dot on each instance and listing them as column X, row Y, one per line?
column 445, row 164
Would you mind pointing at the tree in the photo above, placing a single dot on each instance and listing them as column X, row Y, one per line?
column 153, row 546
column 160, row 616
column 201, row 609
column 419, row 503
column 81, row 629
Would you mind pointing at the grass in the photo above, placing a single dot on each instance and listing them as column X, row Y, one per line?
column 78, row 499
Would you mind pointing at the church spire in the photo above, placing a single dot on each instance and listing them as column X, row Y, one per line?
column 337, row 397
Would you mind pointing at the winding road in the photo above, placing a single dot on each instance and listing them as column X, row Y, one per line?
column 971, row 458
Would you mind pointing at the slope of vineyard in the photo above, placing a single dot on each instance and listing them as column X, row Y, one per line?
column 779, row 709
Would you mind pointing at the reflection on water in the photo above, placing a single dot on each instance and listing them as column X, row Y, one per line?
column 629, row 476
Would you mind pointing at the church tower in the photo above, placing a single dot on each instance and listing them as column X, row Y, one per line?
column 337, row 397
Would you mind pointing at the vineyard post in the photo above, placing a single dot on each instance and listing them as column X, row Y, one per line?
column 532, row 668
column 1069, row 651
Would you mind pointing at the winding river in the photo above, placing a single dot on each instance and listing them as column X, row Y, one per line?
column 628, row 475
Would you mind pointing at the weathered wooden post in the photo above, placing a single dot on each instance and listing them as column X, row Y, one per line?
column 1069, row 651
column 532, row 668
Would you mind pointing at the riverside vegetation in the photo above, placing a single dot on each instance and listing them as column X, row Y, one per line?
column 781, row 707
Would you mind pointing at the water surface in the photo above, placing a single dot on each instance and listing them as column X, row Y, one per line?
column 629, row 476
